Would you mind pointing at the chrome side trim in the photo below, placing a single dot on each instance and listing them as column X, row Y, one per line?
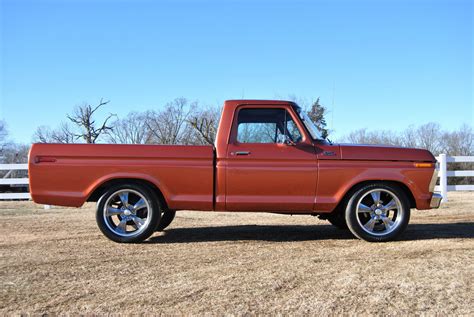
column 436, row 200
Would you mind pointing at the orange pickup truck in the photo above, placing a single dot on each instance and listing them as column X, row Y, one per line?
column 268, row 157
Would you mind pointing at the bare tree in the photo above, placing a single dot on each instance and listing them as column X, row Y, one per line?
column 133, row 129
column 429, row 136
column 3, row 137
column 3, row 140
column 170, row 125
column 11, row 152
column 409, row 137
column 43, row 135
column 460, row 142
column 83, row 118
column 358, row 137
column 15, row 153
column 3, row 132
column 63, row 134
column 362, row 136
column 205, row 124
column 180, row 122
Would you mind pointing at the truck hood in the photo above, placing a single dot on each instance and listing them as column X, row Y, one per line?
column 384, row 153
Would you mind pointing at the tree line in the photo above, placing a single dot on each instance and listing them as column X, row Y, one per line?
column 186, row 122
column 179, row 122
column 429, row 136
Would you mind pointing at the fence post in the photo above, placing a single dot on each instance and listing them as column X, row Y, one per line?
column 443, row 177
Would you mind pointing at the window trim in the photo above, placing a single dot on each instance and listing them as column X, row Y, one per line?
column 271, row 128
column 234, row 127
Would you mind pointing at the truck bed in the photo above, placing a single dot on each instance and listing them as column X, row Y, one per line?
column 68, row 174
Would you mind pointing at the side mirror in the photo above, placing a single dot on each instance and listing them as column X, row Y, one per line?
column 284, row 139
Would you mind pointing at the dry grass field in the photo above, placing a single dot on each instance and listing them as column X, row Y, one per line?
column 56, row 261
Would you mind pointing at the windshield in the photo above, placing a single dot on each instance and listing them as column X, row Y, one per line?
column 310, row 126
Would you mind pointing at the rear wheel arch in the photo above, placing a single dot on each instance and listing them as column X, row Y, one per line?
column 102, row 188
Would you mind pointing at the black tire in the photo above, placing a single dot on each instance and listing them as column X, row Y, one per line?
column 154, row 212
column 359, row 223
column 337, row 219
column 166, row 219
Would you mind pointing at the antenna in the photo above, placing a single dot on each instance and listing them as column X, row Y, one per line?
column 333, row 104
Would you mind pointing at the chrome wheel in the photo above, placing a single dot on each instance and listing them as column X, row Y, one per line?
column 379, row 212
column 126, row 213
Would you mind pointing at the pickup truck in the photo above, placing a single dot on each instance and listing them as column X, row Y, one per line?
column 268, row 157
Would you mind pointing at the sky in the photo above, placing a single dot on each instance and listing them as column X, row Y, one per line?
column 374, row 64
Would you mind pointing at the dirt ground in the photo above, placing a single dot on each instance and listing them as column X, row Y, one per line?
column 56, row 261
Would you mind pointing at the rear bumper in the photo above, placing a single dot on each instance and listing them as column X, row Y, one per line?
column 436, row 200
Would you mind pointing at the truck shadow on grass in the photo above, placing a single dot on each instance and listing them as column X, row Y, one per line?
column 281, row 233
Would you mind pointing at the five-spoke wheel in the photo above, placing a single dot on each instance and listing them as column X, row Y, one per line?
column 128, row 213
column 378, row 212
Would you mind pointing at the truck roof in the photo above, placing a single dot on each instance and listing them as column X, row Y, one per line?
column 237, row 102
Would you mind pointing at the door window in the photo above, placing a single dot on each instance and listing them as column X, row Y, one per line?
column 266, row 125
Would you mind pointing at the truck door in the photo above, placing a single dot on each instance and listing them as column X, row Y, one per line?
column 271, row 162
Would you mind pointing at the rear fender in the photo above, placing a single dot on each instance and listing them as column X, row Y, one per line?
column 131, row 176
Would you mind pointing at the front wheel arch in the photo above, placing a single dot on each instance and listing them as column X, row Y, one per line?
column 343, row 202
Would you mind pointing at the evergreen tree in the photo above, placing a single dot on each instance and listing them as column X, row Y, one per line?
column 316, row 114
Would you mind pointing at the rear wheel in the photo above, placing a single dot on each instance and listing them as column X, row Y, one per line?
column 166, row 219
column 128, row 213
column 378, row 212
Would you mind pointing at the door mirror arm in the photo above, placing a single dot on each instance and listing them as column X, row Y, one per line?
column 288, row 141
column 285, row 139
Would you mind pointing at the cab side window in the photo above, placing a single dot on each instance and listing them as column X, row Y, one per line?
column 266, row 125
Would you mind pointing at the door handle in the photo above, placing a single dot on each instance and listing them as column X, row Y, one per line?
column 240, row 153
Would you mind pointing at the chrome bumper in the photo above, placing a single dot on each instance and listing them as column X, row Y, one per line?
column 436, row 200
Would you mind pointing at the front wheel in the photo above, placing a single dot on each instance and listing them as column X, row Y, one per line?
column 128, row 213
column 378, row 212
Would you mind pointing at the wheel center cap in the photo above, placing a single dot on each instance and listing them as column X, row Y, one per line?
column 378, row 212
column 127, row 212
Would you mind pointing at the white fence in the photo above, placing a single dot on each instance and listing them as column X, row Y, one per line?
column 444, row 173
column 7, row 180
column 443, row 187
